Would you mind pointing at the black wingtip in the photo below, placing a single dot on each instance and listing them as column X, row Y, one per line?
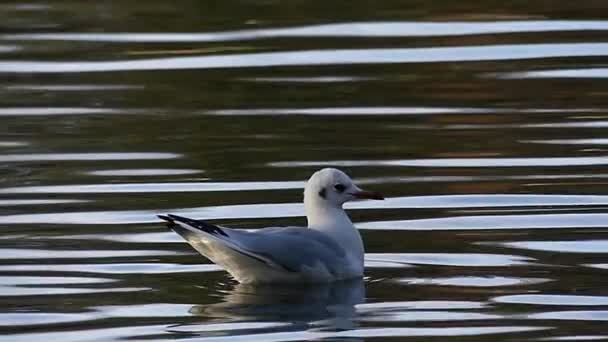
column 200, row 225
column 165, row 218
column 177, row 217
column 170, row 222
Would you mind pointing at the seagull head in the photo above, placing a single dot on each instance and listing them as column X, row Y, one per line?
column 332, row 187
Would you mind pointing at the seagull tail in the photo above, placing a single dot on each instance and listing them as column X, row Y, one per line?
column 195, row 226
column 191, row 230
column 170, row 222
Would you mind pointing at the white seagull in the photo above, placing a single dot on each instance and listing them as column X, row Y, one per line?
column 329, row 249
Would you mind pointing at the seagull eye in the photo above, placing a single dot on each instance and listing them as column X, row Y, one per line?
column 340, row 187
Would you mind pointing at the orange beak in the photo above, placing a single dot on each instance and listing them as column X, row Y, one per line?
column 368, row 195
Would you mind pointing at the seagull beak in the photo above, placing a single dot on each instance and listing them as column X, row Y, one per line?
column 362, row 194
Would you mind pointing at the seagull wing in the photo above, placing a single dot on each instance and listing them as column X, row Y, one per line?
column 294, row 248
column 291, row 249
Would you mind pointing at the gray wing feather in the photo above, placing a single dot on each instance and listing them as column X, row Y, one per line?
column 292, row 248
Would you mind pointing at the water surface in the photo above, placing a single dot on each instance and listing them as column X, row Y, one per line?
column 482, row 123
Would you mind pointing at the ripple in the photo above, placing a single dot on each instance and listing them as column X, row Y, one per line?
column 595, row 315
column 483, row 200
column 16, row 202
column 579, row 124
column 454, row 162
column 276, row 210
column 377, row 332
column 145, row 310
column 450, row 179
column 584, row 246
column 427, row 316
column 320, row 79
column 231, row 326
column 91, row 335
column 440, row 201
column 9, row 48
column 71, row 87
column 144, row 172
column 493, row 222
column 320, row 57
column 575, row 338
column 153, row 237
column 8, row 144
column 12, row 319
column 24, row 253
column 541, row 299
column 114, row 268
column 350, row 111
column 569, row 141
column 420, row 305
column 342, row 111
column 284, row 210
column 377, row 263
column 149, row 216
column 569, row 124
column 452, row 259
column 470, row 281
column 559, row 73
column 40, row 280
column 354, row 29
column 154, row 187
column 600, row 266
column 26, row 7
column 8, row 158
column 48, row 111
column 49, row 291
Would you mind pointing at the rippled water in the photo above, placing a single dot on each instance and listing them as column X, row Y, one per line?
column 483, row 123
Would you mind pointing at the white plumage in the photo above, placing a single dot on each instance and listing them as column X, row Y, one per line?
column 329, row 249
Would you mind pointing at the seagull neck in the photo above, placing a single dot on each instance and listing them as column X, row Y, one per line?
column 326, row 217
column 334, row 222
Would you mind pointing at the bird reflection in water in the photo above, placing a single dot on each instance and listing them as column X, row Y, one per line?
column 322, row 306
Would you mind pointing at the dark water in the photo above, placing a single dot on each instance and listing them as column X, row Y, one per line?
column 484, row 123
